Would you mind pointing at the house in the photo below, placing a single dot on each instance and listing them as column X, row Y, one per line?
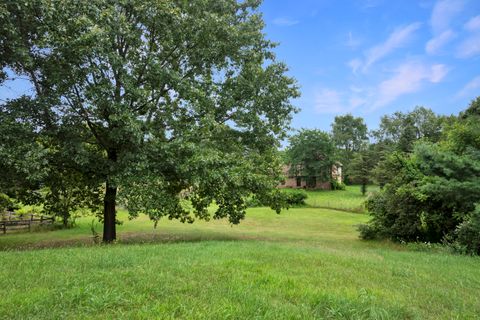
column 312, row 182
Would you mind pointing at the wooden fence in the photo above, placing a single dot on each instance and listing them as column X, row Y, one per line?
column 13, row 221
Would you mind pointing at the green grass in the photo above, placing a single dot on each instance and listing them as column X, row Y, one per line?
column 306, row 263
column 350, row 199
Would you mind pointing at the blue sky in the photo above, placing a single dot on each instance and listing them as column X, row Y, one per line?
column 374, row 57
column 371, row 57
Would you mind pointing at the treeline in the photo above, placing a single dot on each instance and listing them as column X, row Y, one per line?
column 432, row 185
column 427, row 166
column 360, row 151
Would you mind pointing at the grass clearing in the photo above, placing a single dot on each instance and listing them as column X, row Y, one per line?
column 306, row 263
column 350, row 199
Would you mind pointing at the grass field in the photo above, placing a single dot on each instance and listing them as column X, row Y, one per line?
column 306, row 263
column 349, row 199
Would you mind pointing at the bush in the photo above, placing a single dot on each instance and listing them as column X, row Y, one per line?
column 296, row 197
column 467, row 234
column 253, row 202
column 7, row 203
column 335, row 185
column 290, row 198
column 367, row 232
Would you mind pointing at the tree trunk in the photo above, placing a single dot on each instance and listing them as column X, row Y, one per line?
column 109, row 227
column 109, row 203
column 65, row 220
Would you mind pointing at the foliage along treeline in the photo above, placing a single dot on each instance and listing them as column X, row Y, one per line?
column 432, row 187
column 427, row 165
column 362, row 153
column 147, row 102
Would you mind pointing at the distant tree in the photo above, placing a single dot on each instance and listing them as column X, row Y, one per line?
column 433, row 190
column 349, row 133
column 361, row 168
column 379, row 153
column 400, row 130
column 151, row 101
column 472, row 110
column 311, row 153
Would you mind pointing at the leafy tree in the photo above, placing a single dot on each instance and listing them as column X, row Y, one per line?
column 153, row 101
column 21, row 158
column 6, row 203
column 379, row 153
column 68, row 192
column 472, row 110
column 400, row 130
column 432, row 190
column 467, row 234
column 349, row 133
column 311, row 153
column 361, row 168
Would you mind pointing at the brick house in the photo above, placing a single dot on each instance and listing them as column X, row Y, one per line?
column 312, row 182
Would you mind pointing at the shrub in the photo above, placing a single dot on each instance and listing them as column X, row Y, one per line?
column 296, row 197
column 335, row 185
column 7, row 203
column 253, row 201
column 467, row 234
column 367, row 232
column 290, row 198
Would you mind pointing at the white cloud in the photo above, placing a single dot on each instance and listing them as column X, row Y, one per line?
column 473, row 85
column 437, row 73
column 352, row 42
column 333, row 102
column 328, row 101
column 356, row 102
column 436, row 43
column 408, row 78
column 443, row 13
column 397, row 39
column 473, row 24
column 355, row 64
column 285, row 22
column 469, row 47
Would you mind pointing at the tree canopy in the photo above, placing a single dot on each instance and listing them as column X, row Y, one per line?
column 432, row 193
column 349, row 133
column 153, row 101
column 311, row 153
column 400, row 130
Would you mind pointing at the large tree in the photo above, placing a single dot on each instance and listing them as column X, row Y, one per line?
column 361, row 167
column 433, row 190
column 400, row 130
column 311, row 153
column 349, row 134
column 156, row 101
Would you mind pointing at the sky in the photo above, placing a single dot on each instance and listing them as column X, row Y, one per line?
column 371, row 57
column 374, row 57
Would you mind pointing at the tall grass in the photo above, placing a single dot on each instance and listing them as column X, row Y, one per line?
column 350, row 199
column 305, row 263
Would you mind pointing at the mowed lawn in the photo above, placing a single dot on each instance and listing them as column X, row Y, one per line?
column 349, row 199
column 306, row 263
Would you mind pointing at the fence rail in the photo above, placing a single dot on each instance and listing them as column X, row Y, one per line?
column 12, row 221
